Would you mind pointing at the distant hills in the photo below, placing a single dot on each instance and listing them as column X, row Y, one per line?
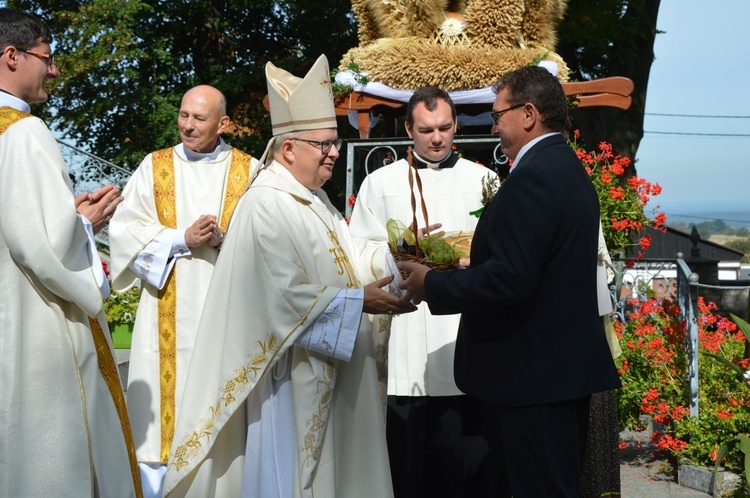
column 735, row 213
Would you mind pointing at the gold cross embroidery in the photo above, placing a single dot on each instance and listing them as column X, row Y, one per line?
column 326, row 82
column 341, row 259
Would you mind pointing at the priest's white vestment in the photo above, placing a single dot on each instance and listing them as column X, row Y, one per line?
column 60, row 431
column 262, row 416
column 421, row 346
column 140, row 248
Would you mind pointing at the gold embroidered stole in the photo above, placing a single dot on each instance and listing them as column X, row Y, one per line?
column 111, row 377
column 166, row 207
column 9, row 116
column 236, row 184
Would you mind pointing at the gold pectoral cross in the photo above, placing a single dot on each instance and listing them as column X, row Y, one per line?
column 338, row 252
column 341, row 259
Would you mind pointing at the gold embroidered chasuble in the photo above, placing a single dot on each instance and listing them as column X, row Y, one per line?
column 60, row 376
column 166, row 207
column 167, row 190
column 284, row 260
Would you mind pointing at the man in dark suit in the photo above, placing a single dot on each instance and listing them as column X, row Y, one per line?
column 530, row 348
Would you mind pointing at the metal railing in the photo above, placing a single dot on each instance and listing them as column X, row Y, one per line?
column 687, row 298
column 89, row 173
column 662, row 279
column 673, row 280
column 363, row 156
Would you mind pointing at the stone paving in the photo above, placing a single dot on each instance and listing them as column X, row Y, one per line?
column 644, row 475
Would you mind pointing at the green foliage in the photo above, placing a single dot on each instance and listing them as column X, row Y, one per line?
column 653, row 363
column 341, row 90
column 122, row 307
column 621, row 202
column 654, row 369
column 597, row 36
column 602, row 38
column 126, row 63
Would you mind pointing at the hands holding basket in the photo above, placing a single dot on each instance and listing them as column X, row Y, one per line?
column 413, row 284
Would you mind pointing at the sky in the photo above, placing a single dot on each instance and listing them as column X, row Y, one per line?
column 701, row 68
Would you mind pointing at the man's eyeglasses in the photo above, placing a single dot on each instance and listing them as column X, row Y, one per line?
column 325, row 145
column 496, row 115
column 48, row 59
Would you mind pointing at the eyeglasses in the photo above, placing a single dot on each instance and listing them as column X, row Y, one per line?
column 48, row 59
column 325, row 145
column 496, row 115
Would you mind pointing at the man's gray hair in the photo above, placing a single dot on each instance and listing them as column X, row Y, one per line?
column 285, row 136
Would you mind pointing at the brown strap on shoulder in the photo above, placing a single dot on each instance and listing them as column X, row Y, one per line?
column 414, row 176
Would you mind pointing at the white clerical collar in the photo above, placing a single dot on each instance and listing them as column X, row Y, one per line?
column 436, row 165
column 529, row 145
column 8, row 100
column 193, row 156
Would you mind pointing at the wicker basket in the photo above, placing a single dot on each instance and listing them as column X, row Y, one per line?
column 419, row 257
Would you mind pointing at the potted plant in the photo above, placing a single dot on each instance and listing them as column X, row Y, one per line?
column 121, row 308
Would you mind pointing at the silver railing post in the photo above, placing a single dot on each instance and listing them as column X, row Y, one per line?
column 687, row 298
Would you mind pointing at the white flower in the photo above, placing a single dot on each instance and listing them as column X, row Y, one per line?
column 746, row 375
column 451, row 27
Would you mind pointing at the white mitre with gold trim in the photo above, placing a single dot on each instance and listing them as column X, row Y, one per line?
column 299, row 104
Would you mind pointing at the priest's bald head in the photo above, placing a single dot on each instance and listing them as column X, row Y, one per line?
column 203, row 117
column 303, row 121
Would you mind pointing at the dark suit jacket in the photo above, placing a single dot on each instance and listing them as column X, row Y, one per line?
column 530, row 331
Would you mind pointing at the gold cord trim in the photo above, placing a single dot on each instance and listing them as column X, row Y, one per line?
column 85, row 414
column 111, row 376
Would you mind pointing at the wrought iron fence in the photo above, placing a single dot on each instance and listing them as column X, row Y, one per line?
column 363, row 156
column 89, row 173
column 670, row 279
column 687, row 297
column 641, row 280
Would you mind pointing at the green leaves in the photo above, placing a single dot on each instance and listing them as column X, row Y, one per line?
column 744, row 445
column 724, row 361
column 125, row 64
column 742, row 324
column 121, row 307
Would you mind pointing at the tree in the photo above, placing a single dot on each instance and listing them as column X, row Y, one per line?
column 708, row 228
column 741, row 245
column 126, row 63
column 600, row 38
